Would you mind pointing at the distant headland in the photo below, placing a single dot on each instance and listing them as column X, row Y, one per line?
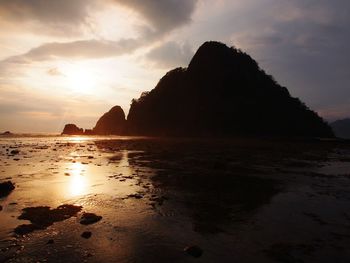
column 223, row 92
column 6, row 133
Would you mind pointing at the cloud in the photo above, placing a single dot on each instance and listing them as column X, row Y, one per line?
column 71, row 17
column 164, row 15
column 170, row 54
column 82, row 49
column 45, row 11
column 55, row 17
column 54, row 72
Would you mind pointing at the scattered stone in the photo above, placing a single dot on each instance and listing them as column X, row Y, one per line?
column 89, row 218
column 67, row 174
column 194, row 251
column 6, row 188
column 14, row 152
column 137, row 196
column 50, row 241
column 86, row 234
column 0, row 208
column 158, row 199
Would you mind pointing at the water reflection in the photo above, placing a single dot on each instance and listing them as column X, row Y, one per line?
column 77, row 139
column 78, row 183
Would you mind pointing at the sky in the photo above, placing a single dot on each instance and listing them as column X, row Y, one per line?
column 69, row 61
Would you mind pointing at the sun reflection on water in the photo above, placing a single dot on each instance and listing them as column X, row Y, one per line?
column 77, row 139
column 78, row 183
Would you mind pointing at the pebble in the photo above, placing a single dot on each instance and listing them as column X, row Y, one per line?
column 86, row 234
column 89, row 218
column 194, row 251
column 137, row 196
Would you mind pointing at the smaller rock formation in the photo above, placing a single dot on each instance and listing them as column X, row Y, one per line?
column 111, row 123
column 6, row 133
column 341, row 128
column 72, row 129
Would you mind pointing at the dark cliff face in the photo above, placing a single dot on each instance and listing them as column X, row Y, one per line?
column 72, row 129
column 341, row 128
column 112, row 122
column 222, row 92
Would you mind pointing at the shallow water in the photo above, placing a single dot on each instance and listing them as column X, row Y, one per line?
column 239, row 201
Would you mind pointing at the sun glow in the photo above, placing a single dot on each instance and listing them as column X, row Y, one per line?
column 80, row 79
column 77, row 180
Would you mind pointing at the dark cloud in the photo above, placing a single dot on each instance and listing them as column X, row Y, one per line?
column 164, row 15
column 53, row 17
column 52, row 12
column 68, row 16
column 170, row 54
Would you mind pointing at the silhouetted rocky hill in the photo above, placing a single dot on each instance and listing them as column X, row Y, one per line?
column 72, row 129
column 223, row 92
column 341, row 128
column 112, row 122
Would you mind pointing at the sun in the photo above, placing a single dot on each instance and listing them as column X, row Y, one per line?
column 80, row 79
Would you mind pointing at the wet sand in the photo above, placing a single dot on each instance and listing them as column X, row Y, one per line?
column 147, row 199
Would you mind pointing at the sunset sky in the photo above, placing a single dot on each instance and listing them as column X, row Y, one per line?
column 69, row 61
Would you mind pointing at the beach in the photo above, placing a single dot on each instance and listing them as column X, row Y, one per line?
column 174, row 200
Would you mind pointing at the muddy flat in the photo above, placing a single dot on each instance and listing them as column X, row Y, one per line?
column 129, row 199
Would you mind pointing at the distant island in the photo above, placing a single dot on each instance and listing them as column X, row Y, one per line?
column 223, row 92
column 341, row 128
